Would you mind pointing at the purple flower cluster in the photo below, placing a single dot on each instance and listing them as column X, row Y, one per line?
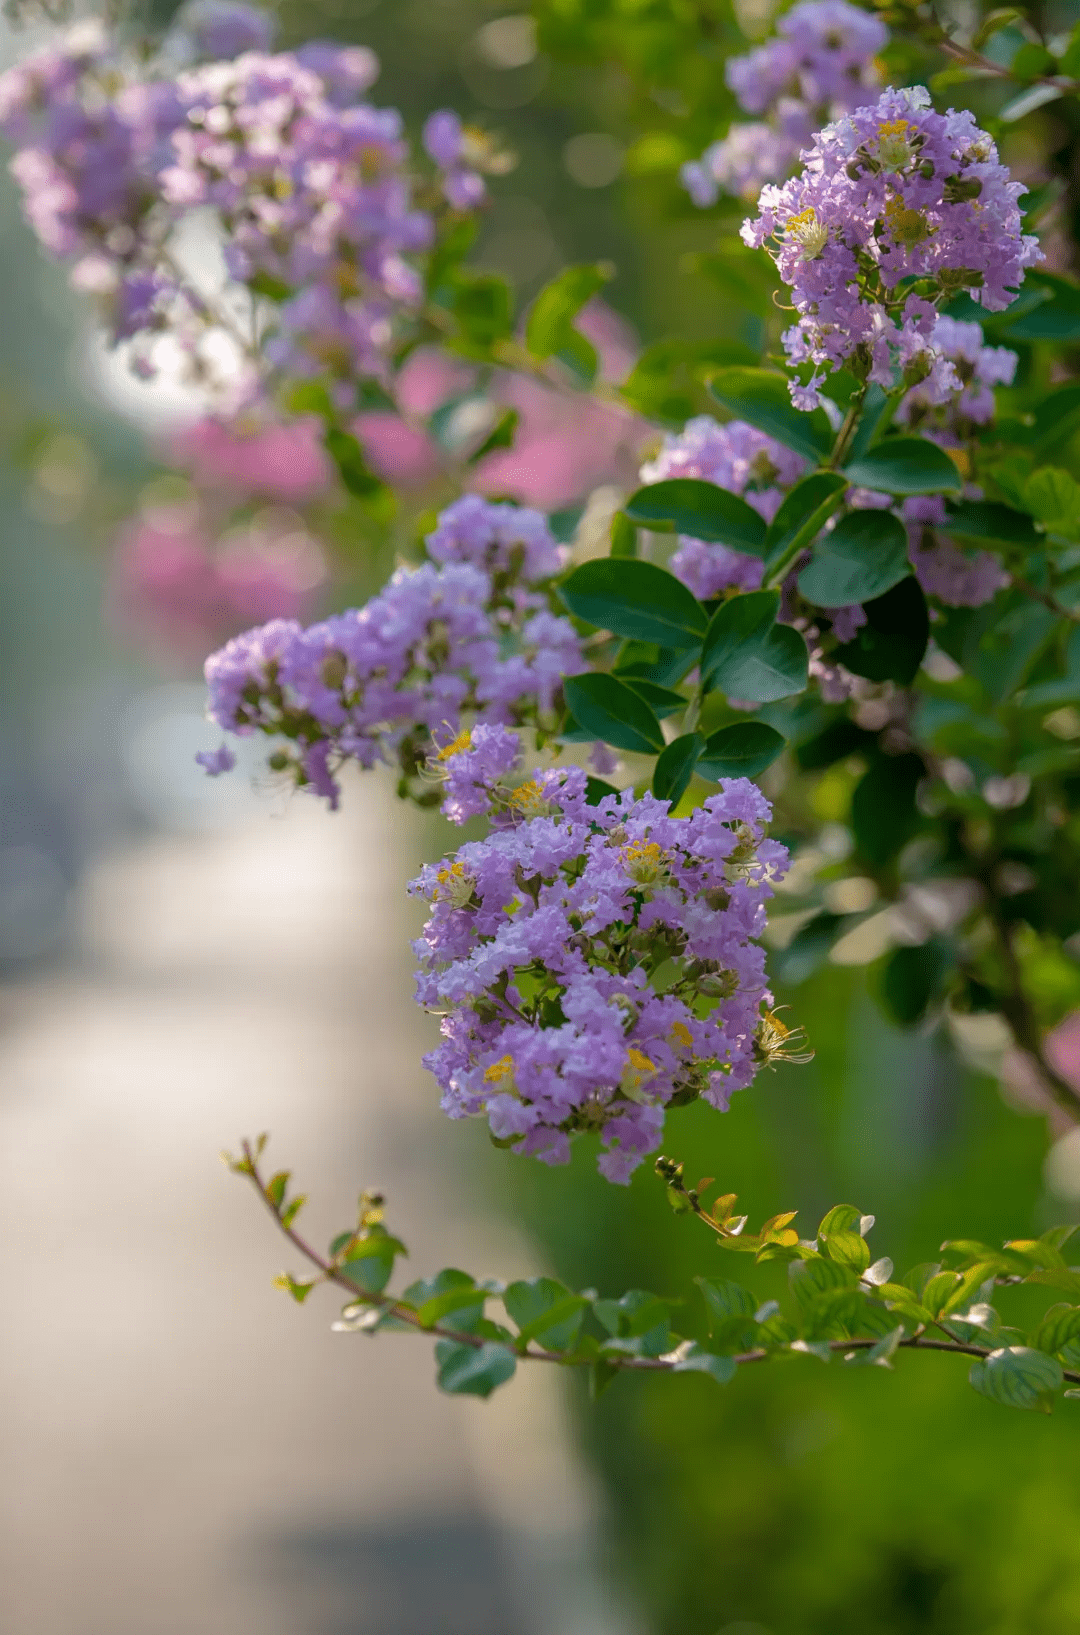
column 453, row 638
column 821, row 66
column 958, row 394
column 595, row 965
column 312, row 187
column 741, row 459
column 891, row 193
column 943, row 568
column 91, row 144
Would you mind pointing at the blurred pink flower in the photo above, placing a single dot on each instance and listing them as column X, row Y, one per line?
column 255, row 456
column 564, row 446
column 180, row 596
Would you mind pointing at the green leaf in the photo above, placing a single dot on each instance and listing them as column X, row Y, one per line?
column 905, row 465
column 879, row 1355
column 423, row 1293
column 748, row 656
column 613, row 712
column 912, row 978
column 725, row 1299
column 691, row 1358
column 623, row 535
column 1054, row 497
column 636, row 599
column 484, row 309
column 596, row 789
column 473, row 1371
column 891, row 645
column 501, row 435
column 667, row 383
column 761, row 396
column 550, row 326
column 1019, row 1377
column 811, row 1278
column 841, row 1239
column 545, row 1310
column 663, row 701
column 639, row 1323
column 1059, row 1328
column 700, row 510
column 883, row 811
column 1054, row 317
column 801, row 517
column 742, row 750
column 991, row 524
column 864, row 556
column 675, row 767
column 346, row 453
column 462, row 1299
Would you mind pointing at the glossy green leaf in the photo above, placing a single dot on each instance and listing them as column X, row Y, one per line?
column 905, row 465
column 748, row 656
column 701, row 510
column 500, row 436
column 465, row 1370
column 742, row 750
column 636, row 599
column 613, row 712
column 484, row 309
column 623, row 535
column 675, row 767
column 864, row 556
column 1019, row 1377
column 801, row 517
column 891, row 645
column 761, row 396
column 663, row 701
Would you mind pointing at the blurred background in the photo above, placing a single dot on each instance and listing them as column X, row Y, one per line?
column 185, row 961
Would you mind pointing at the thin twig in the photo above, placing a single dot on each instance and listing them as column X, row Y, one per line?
column 330, row 1273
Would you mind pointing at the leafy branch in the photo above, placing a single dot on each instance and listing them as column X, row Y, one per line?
column 842, row 1304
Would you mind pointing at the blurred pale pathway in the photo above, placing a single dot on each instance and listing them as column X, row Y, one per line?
column 184, row 1451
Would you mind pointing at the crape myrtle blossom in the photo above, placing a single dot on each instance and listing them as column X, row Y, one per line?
column 468, row 634
column 313, row 189
column 594, row 965
column 741, row 459
column 893, row 192
column 821, row 66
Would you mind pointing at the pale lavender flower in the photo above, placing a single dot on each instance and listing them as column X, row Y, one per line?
column 907, row 192
column 216, row 761
column 539, row 949
column 741, row 459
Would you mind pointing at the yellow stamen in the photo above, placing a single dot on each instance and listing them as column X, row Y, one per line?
column 639, row 1061
column 808, row 232
column 462, row 741
column 500, row 1070
column 680, row 1035
column 644, row 861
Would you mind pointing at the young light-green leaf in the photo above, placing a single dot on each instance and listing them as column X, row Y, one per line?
column 550, row 323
